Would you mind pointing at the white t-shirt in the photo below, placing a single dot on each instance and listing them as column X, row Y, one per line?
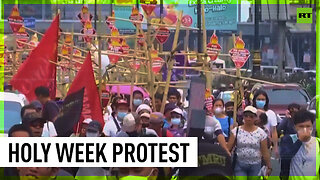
column 248, row 145
column 305, row 160
column 272, row 120
column 212, row 125
column 110, row 128
column 51, row 132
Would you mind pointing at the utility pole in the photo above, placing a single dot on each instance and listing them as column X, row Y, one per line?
column 256, row 52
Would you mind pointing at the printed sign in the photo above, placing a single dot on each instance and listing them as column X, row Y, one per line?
column 15, row 20
column 163, row 34
column 213, row 48
column 239, row 54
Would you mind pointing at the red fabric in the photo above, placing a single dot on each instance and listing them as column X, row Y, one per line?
column 91, row 101
column 37, row 70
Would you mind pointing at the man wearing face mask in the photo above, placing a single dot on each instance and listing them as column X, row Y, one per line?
column 113, row 126
column 137, row 99
column 94, row 129
column 300, row 152
column 287, row 126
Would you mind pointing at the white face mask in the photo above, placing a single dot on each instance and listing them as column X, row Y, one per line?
column 218, row 110
column 92, row 134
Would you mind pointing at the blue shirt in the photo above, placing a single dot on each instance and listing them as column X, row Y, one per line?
column 225, row 125
column 166, row 124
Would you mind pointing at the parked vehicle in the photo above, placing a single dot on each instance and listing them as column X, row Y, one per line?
column 12, row 104
column 281, row 96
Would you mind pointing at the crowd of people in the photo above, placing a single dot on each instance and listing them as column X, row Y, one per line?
column 246, row 144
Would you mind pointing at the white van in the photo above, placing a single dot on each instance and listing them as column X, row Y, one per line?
column 11, row 104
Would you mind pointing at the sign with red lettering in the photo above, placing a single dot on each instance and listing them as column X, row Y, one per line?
column 22, row 37
column 239, row 54
column 157, row 62
column 135, row 15
column 15, row 20
column 135, row 66
column 213, row 48
column 85, row 15
column 186, row 20
column 162, row 35
column 88, row 31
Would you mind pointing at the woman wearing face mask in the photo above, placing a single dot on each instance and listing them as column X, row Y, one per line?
column 250, row 144
column 137, row 99
column 261, row 102
column 225, row 121
column 177, row 122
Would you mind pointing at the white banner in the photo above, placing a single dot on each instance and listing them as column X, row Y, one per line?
column 99, row 152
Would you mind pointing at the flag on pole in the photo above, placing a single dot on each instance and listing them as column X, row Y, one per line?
column 70, row 113
column 37, row 70
column 91, row 101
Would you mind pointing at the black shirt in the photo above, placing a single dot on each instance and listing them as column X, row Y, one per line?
column 50, row 110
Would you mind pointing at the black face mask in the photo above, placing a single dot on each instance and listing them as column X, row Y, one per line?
column 229, row 113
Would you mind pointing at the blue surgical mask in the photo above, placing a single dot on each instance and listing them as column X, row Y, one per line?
column 176, row 121
column 137, row 102
column 260, row 104
column 121, row 115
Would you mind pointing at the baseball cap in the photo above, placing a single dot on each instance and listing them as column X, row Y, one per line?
column 94, row 126
column 251, row 109
column 87, row 121
column 147, row 115
column 33, row 116
column 213, row 160
column 169, row 107
column 178, row 111
column 143, row 107
column 37, row 104
column 128, row 124
column 156, row 117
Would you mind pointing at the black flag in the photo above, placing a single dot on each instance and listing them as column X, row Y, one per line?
column 70, row 114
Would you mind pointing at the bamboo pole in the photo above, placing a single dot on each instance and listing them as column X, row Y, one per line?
column 71, row 55
column 99, row 57
column 170, row 61
column 154, row 24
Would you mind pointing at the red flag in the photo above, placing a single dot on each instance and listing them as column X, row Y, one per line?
column 91, row 101
column 37, row 69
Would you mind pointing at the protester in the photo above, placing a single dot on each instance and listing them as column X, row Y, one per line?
column 213, row 163
column 229, row 107
column 225, row 121
column 50, row 108
column 261, row 122
column 94, row 129
column 174, row 96
column 300, row 152
column 156, row 123
column 167, row 113
column 261, row 102
column 143, row 108
column 145, row 120
column 213, row 132
column 158, row 101
column 286, row 126
column 250, row 144
column 35, row 122
column 20, row 130
column 177, row 123
column 132, row 127
column 30, row 108
column 49, row 111
column 137, row 99
column 113, row 126
column 37, row 104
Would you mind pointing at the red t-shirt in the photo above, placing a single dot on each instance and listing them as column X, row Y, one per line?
column 169, row 134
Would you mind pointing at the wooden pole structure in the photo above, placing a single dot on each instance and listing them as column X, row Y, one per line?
column 99, row 56
column 171, row 61
column 71, row 55
column 204, row 46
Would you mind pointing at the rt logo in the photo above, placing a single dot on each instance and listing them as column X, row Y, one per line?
column 304, row 15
